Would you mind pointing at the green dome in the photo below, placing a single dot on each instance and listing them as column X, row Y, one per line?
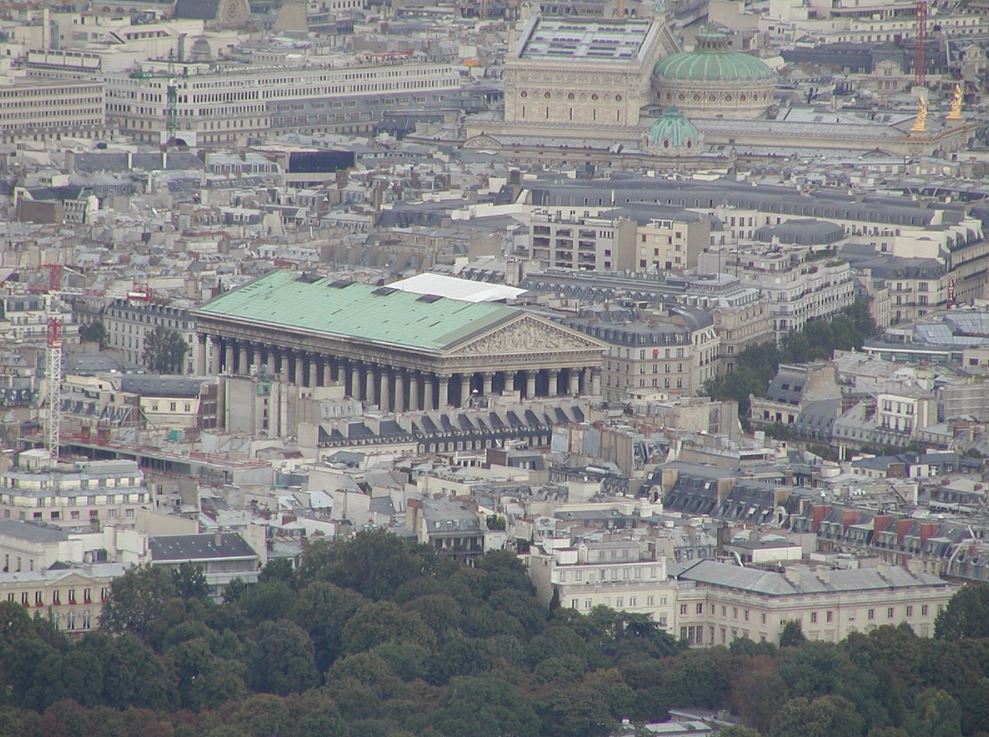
column 672, row 130
column 710, row 65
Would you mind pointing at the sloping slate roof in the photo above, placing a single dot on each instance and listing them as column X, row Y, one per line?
column 197, row 9
column 776, row 584
column 32, row 532
column 361, row 311
column 199, row 547
column 154, row 385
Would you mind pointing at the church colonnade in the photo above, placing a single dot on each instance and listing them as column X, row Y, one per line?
column 392, row 388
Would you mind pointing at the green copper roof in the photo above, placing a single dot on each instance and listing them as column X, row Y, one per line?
column 672, row 128
column 712, row 65
column 348, row 309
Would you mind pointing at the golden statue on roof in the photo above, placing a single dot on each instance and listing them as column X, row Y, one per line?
column 920, row 122
column 956, row 104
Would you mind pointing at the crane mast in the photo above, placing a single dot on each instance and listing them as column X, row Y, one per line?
column 920, row 49
column 53, row 364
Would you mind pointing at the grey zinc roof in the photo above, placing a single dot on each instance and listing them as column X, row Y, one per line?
column 641, row 190
column 199, row 547
column 805, row 231
column 161, row 386
column 197, row 9
column 769, row 583
column 32, row 532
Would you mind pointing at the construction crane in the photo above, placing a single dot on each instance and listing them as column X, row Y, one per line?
column 920, row 47
column 53, row 354
column 53, row 365
column 172, row 99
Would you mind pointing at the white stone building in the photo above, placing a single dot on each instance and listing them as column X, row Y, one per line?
column 718, row 603
column 616, row 574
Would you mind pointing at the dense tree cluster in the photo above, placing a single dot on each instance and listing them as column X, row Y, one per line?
column 376, row 638
column 164, row 350
column 756, row 365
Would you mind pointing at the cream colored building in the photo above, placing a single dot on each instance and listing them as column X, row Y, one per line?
column 671, row 243
column 798, row 290
column 739, row 324
column 673, row 352
column 718, row 603
column 905, row 412
column 583, row 243
column 615, row 574
column 48, row 110
column 227, row 105
column 70, row 598
column 655, row 240
column 576, row 72
column 88, row 492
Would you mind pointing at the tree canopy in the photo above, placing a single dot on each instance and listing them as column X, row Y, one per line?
column 375, row 636
column 755, row 366
column 164, row 350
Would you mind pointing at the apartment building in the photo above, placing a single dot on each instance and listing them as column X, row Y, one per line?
column 906, row 411
column 887, row 225
column 128, row 322
column 671, row 242
column 799, row 286
column 42, row 110
column 741, row 314
column 208, row 105
column 739, row 324
column 913, row 286
column 674, row 350
column 22, row 317
column 718, row 603
column 87, row 492
column 70, row 598
column 794, row 388
column 581, row 243
column 221, row 556
column 623, row 239
column 617, row 574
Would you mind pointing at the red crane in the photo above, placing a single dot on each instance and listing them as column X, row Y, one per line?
column 920, row 47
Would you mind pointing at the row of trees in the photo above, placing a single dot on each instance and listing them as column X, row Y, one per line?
column 756, row 365
column 378, row 638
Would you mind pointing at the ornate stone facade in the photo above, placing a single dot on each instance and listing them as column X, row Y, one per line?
column 571, row 83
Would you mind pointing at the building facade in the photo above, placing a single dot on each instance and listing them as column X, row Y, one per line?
column 71, row 598
column 615, row 574
column 674, row 351
column 718, row 603
column 590, row 73
column 90, row 493
column 128, row 323
column 43, row 110
column 206, row 106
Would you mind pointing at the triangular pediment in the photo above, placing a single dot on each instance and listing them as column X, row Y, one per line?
column 527, row 335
